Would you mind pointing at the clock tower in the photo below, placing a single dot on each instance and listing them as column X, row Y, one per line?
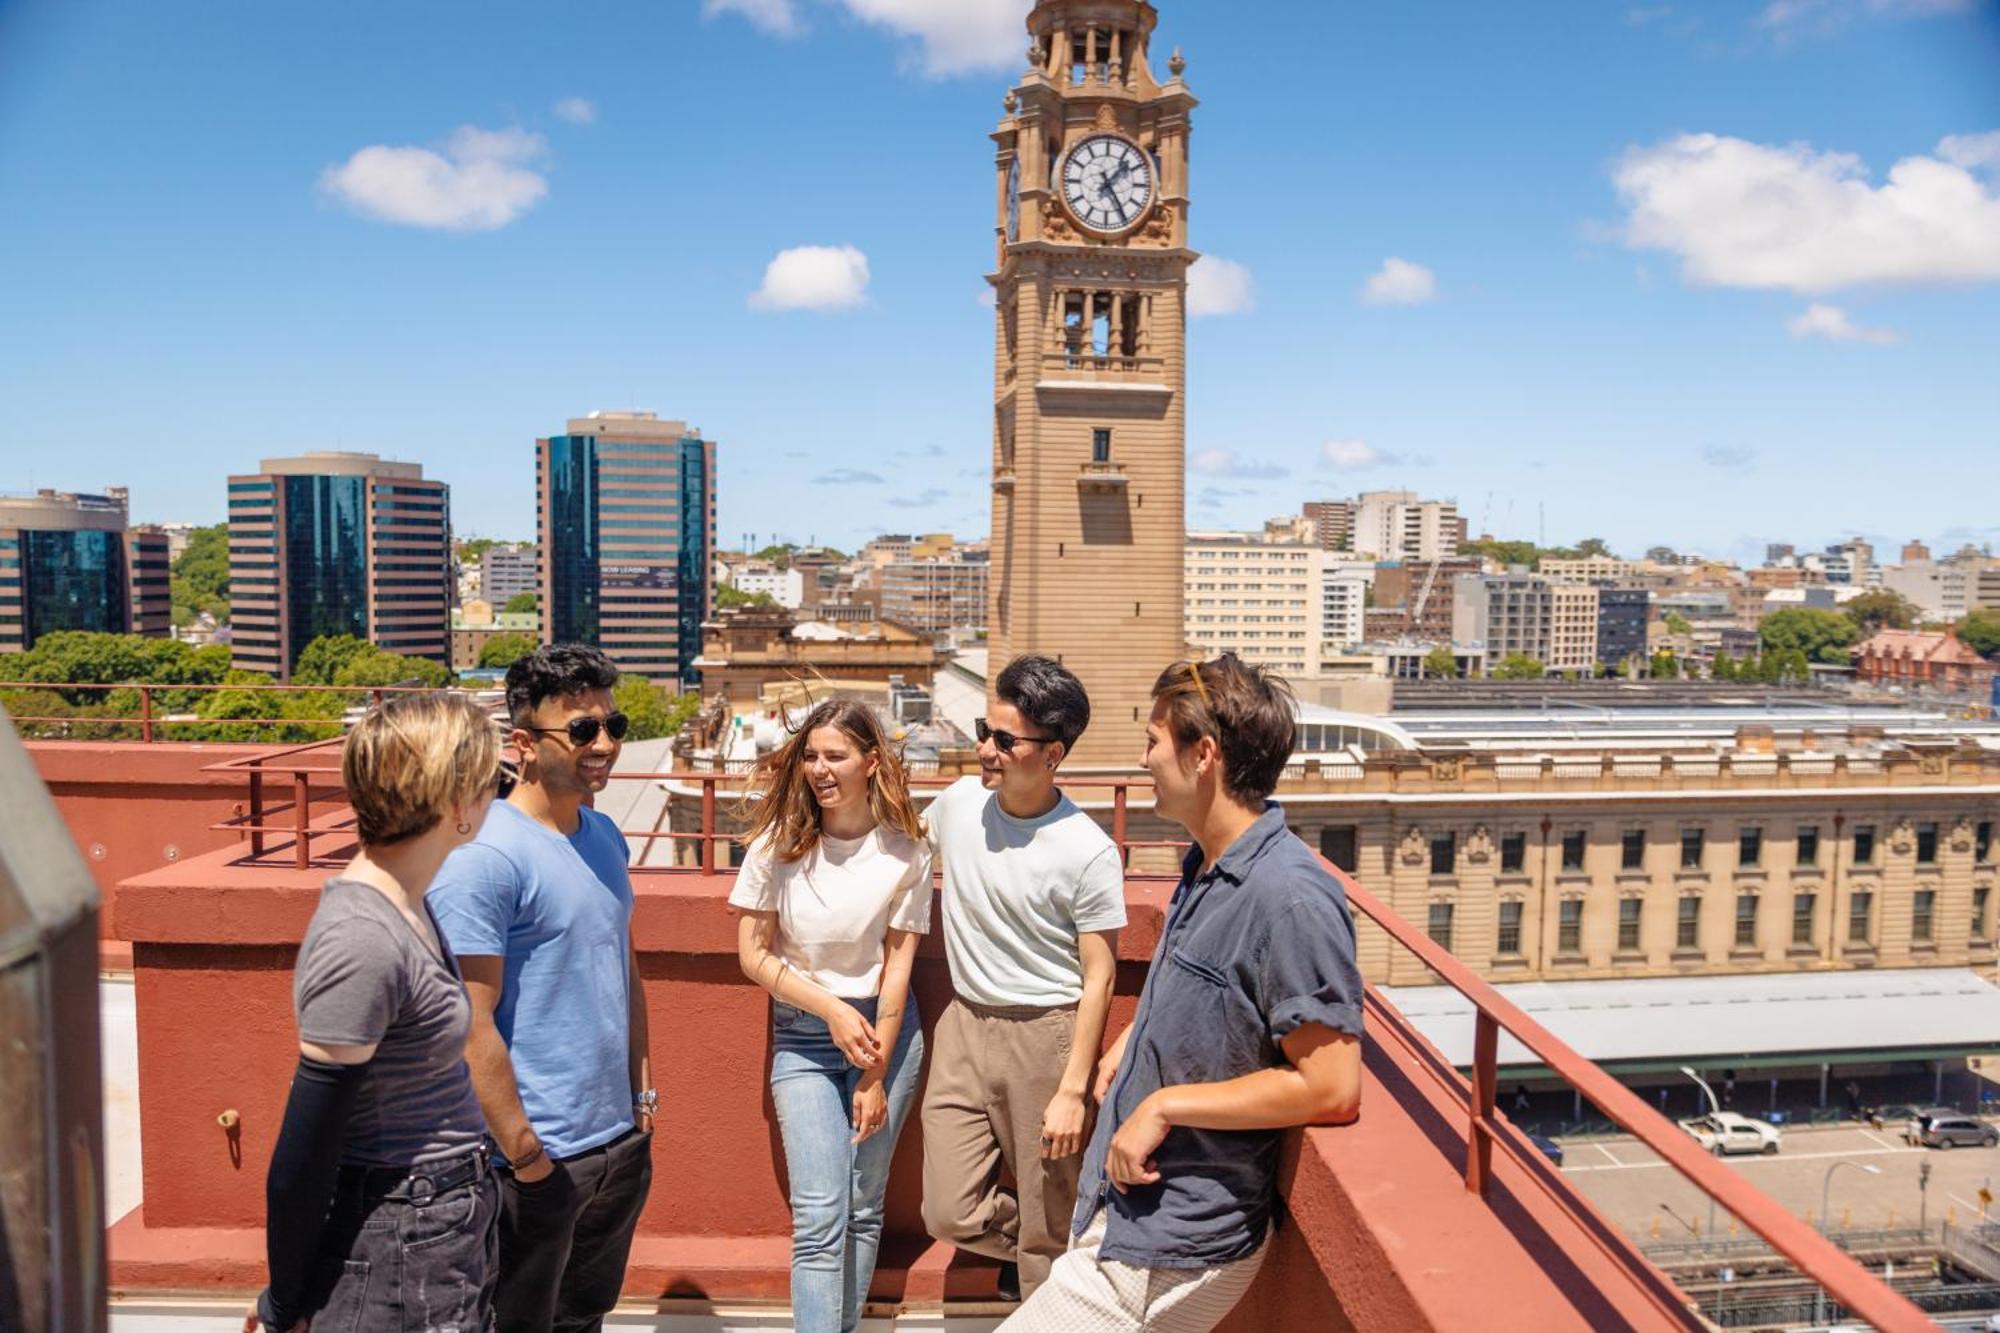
column 1089, row 408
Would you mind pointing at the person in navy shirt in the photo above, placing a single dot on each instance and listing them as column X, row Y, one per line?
column 539, row 911
column 1249, row 1024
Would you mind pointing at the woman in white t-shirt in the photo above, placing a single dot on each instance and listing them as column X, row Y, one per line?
column 835, row 890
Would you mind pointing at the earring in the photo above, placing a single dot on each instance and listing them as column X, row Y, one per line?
column 464, row 827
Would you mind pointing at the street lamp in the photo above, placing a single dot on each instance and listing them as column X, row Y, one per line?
column 1692, row 1230
column 1826, row 1184
column 1700, row 1082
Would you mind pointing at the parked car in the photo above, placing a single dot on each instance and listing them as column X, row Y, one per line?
column 1913, row 1128
column 1727, row 1132
column 1953, row 1129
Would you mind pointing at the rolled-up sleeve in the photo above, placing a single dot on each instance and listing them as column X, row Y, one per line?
column 1309, row 973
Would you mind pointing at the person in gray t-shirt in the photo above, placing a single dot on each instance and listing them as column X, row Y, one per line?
column 379, row 1205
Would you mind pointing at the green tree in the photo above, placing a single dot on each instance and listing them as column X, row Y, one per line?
column 503, row 650
column 779, row 555
column 1881, row 609
column 1725, row 667
column 1518, row 666
column 1664, row 666
column 1505, row 552
column 1822, row 636
column 321, row 660
column 1662, row 555
column 522, row 604
column 653, row 712
column 1440, row 663
column 378, row 666
column 199, row 578
column 1591, row 547
column 1981, row 632
column 473, row 549
column 729, row 597
column 1677, row 623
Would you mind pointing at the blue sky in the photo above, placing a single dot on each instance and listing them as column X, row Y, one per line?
column 1657, row 281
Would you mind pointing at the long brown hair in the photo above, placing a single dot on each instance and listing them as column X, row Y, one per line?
column 788, row 811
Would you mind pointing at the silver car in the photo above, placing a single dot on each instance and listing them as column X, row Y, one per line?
column 1952, row 1130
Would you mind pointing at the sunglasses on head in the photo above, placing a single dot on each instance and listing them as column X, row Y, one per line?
column 1005, row 741
column 583, row 730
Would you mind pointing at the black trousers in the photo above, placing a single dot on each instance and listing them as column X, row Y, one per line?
column 565, row 1239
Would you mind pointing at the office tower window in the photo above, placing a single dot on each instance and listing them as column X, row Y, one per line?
column 1633, row 849
column 1509, row 940
column 1691, row 848
column 1569, row 927
column 1439, row 927
column 1808, row 851
column 72, row 580
column 1100, row 445
column 1746, row 920
column 1338, row 844
column 1628, row 923
column 1573, row 844
column 1802, row 918
column 1513, row 853
column 1687, row 926
column 1749, row 848
column 1864, row 844
column 1922, row 908
column 1444, row 853
column 1860, row 910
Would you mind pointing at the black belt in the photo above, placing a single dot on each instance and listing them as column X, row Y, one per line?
column 419, row 1185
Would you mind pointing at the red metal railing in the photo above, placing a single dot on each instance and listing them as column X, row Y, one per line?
column 150, row 721
column 1863, row 1294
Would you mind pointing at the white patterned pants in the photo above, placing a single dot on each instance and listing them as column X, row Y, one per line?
column 1087, row 1293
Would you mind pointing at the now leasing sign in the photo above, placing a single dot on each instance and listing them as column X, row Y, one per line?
column 652, row 578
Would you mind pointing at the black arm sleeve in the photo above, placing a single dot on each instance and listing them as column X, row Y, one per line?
column 299, row 1190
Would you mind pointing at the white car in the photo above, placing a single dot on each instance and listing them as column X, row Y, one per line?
column 1727, row 1132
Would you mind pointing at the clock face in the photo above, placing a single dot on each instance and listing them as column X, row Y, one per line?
column 1107, row 181
column 1014, row 201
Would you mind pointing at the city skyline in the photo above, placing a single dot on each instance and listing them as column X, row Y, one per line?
column 1497, row 271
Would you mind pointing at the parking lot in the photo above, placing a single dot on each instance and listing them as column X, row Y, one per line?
column 1629, row 1183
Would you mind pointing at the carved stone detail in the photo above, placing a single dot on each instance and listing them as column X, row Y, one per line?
column 1107, row 119
column 1415, row 850
column 1479, row 847
column 1961, row 836
column 1902, row 837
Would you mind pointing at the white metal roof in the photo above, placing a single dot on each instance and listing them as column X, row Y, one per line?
column 1663, row 1018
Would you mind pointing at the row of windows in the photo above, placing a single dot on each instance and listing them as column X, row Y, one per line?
column 1687, row 921
column 1749, row 848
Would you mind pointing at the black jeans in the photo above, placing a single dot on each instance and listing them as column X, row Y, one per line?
column 408, row 1262
column 564, row 1239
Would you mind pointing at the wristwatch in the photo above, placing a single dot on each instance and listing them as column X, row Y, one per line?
column 646, row 1103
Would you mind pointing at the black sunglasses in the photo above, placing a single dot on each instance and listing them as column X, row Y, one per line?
column 1005, row 740
column 583, row 730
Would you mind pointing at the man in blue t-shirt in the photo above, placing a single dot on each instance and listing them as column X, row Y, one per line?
column 538, row 909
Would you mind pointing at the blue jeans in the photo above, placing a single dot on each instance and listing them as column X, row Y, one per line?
column 837, row 1185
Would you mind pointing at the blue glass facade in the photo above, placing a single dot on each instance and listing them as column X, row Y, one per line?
column 72, row 580
column 693, row 562
column 325, row 550
column 573, row 550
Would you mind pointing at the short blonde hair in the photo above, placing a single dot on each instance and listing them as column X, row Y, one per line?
column 407, row 762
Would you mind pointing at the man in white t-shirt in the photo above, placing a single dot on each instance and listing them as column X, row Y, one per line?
column 1034, row 895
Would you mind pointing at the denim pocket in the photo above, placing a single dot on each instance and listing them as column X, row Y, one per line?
column 445, row 1260
column 447, row 1217
column 785, row 1017
column 347, row 1297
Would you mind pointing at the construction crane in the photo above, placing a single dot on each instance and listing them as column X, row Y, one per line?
column 1423, row 599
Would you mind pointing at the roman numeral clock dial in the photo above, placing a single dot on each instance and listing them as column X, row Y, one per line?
column 1107, row 183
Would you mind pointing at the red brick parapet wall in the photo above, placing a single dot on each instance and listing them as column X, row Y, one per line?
column 1381, row 1232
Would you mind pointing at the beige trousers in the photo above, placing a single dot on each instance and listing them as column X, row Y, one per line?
column 993, row 1073
column 1087, row 1293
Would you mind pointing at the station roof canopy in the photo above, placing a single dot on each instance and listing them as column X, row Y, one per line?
column 1851, row 1016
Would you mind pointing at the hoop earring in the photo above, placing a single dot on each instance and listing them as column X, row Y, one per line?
column 464, row 827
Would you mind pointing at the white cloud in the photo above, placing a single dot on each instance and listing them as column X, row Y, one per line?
column 1352, row 455
column 1832, row 323
column 1218, row 286
column 1399, row 282
column 988, row 298
column 479, row 182
column 954, row 36
column 773, row 16
column 1225, row 463
column 814, row 277
column 1743, row 214
column 1786, row 16
column 576, row 111
column 1730, row 458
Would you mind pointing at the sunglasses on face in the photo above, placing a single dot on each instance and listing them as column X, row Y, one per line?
column 1005, row 741
column 583, row 730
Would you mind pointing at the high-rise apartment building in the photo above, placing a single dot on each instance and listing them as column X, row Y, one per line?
column 625, row 503
column 1262, row 600
column 72, row 562
column 1414, row 599
column 932, row 596
column 1344, row 586
column 337, row 543
column 507, row 571
column 1089, row 410
column 1622, row 617
column 1508, row 615
column 1573, row 627
column 1398, row 525
column 1333, row 522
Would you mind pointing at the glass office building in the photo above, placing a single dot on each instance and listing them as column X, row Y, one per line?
column 626, row 509
column 72, row 562
column 337, row 543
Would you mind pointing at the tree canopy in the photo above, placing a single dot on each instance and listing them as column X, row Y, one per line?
column 503, row 650
column 1981, row 632
column 1881, row 609
column 653, row 712
column 522, row 604
column 199, row 578
column 1518, row 666
column 1441, row 663
column 1821, row 636
column 728, row 597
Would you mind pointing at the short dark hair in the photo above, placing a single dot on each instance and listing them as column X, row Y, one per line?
column 555, row 671
column 1249, row 713
column 1048, row 694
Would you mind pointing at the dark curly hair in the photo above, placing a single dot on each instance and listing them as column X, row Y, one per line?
column 555, row 671
column 1048, row 694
